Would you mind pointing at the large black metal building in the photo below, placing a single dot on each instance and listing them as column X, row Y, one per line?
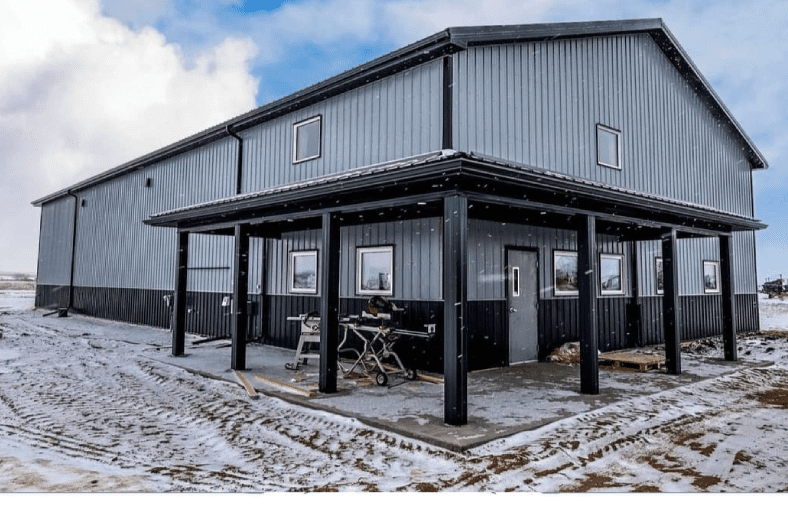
column 519, row 186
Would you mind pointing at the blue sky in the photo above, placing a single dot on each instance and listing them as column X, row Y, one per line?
column 87, row 84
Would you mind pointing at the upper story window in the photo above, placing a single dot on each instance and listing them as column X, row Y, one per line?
column 608, row 147
column 306, row 140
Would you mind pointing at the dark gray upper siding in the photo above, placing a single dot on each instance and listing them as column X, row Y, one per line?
column 488, row 241
column 538, row 103
column 393, row 118
column 417, row 258
column 54, row 253
column 116, row 250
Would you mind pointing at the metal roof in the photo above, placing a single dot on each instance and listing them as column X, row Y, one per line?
column 525, row 174
column 442, row 43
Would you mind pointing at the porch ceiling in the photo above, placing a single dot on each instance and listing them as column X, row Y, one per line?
column 414, row 187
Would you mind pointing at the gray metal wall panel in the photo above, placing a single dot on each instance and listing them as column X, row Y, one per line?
column 418, row 252
column 54, row 257
column 538, row 103
column 487, row 254
column 115, row 249
column 692, row 253
column 392, row 118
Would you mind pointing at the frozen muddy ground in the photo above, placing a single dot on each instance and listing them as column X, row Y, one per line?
column 83, row 409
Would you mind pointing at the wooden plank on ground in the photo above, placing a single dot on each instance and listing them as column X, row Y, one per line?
column 245, row 383
column 430, row 378
column 637, row 360
column 284, row 386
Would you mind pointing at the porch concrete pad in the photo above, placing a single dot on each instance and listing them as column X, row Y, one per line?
column 501, row 402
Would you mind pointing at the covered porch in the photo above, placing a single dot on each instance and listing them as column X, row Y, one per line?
column 458, row 187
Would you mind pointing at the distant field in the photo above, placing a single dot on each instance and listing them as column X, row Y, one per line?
column 17, row 285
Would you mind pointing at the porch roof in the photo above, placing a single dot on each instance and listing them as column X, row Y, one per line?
column 421, row 181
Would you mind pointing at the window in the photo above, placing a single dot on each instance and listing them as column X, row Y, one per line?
column 608, row 147
column 660, row 276
column 374, row 270
column 611, row 274
column 711, row 276
column 303, row 272
column 565, row 272
column 306, row 140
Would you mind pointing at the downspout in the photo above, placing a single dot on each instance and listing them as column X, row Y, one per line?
column 239, row 177
column 239, row 169
column 73, row 250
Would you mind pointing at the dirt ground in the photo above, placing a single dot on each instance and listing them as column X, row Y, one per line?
column 83, row 409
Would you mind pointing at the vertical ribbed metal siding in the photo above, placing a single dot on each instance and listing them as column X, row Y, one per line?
column 692, row 253
column 538, row 103
column 417, row 256
column 54, row 257
column 487, row 253
column 392, row 118
column 115, row 249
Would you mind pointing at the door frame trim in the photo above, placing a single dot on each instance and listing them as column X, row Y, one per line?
column 506, row 285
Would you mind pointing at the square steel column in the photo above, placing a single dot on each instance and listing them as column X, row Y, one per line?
column 178, row 325
column 455, row 307
column 587, row 285
column 329, row 303
column 728, row 298
column 670, row 302
column 240, row 291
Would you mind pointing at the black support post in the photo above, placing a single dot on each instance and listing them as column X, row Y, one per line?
column 670, row 303
column 728, row 298
column 239, row 318
column 329, row 304
column 587, row 285
column 178, row 324
column 455, row 307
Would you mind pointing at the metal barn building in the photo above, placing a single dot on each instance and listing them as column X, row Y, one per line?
column 518, row 186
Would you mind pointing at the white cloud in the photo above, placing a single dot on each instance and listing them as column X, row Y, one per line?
column 81, row 93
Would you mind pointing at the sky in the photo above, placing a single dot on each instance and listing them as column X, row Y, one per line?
column 86, row 85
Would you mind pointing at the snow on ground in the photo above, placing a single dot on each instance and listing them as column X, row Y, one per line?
column 82, row 408
column 772, row 312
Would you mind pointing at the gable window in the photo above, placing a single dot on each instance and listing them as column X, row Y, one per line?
column 611, row 274
column 375, row 270
column 306, row 140
column 302, row 277
column 711, row 276
column 608, row 147
column 565, row 273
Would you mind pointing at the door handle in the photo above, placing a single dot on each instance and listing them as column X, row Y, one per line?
column 512, row 310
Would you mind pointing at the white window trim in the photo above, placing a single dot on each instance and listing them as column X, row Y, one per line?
column 716, row 265
column 620, row 258
column 374, row 249
column 559, row 253
column 298, row 125
column 291, row 272
column 615, row 132
column 656, row 276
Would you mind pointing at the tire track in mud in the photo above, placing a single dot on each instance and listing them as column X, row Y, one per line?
column 575, row 444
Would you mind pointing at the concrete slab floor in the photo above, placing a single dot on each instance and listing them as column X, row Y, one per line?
column 501, row 402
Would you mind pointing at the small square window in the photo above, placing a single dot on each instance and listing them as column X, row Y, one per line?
column 608, row 147
column 660, row 276
column 306, row 140
column 611, row 274
column 565, row 273
column 711, row 276
column 303, row 272
column 375, row 270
